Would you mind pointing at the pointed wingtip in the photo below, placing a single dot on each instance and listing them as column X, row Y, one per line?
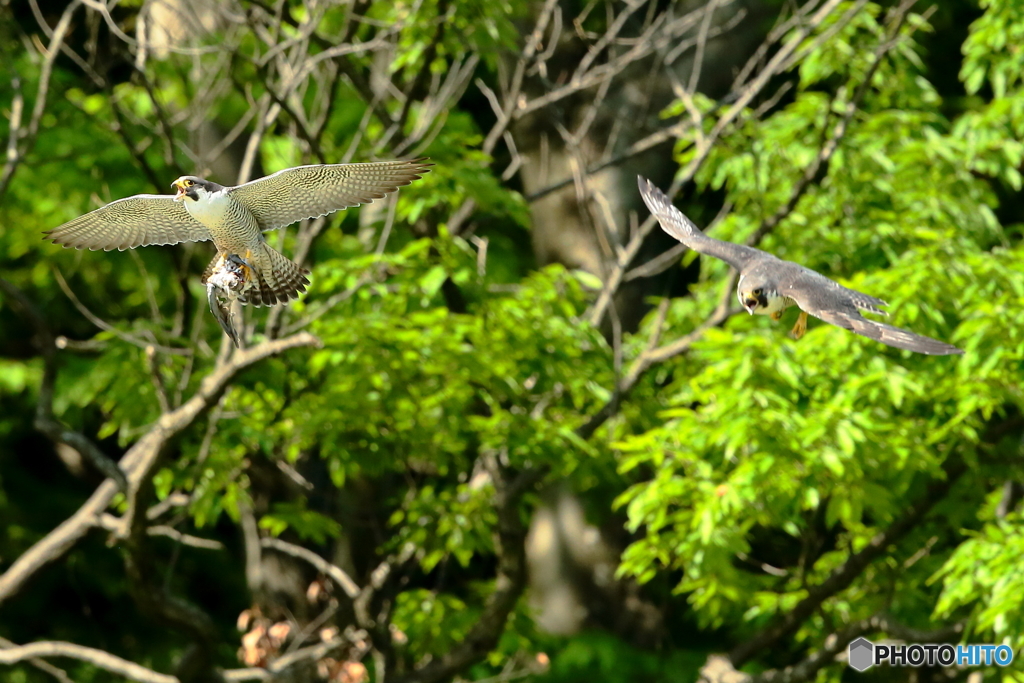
column 938, row 349
column 951, row 350
column 651, row 194
column 648, row 192
column 423, row 163
column 911, row 341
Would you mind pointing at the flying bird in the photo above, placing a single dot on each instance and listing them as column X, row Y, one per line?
column 235, row 218
column 769, row 285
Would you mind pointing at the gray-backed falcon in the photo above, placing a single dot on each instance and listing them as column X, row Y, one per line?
column 769, row 285
column 235, row 218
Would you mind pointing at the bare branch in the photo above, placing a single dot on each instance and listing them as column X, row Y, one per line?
column 45, row 421
column 120, row 126
column 99, row 658
column 336, row 573
column 158, row 382
column 844, row 575
column 282, row 664
column 509, row 584
column 107, row 327
column 606, row 39
column 16, row 153
column 659, row 34
column 703, row 148
column 424, row 72
column 111, row 523
column 41, row 664
column 138, row 461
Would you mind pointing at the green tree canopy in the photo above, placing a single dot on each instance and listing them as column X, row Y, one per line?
column 507, row 379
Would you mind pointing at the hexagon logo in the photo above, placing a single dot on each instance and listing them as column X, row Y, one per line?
column 861, row 653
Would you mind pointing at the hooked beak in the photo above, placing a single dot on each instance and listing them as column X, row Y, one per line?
column 750, row 305
column 180, row 186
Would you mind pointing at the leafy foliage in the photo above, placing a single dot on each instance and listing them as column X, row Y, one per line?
column 747, row 471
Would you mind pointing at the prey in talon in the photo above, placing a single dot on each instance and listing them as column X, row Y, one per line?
column 228, row 279
column 236, row 218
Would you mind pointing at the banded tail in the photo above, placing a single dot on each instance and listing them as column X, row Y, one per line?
column 275, row 278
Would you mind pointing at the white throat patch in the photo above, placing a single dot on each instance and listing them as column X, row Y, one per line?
column 776, row 304
column 211, row 207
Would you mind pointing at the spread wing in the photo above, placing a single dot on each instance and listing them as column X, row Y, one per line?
column 296, row 194
column 796, row 281
column 131, row 222
column 838, row 305
column 682, row 228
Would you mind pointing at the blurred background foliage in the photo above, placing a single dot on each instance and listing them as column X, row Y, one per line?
column 492, row 390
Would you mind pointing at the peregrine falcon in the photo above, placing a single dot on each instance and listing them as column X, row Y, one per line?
column 769, row 285
column 235, row 218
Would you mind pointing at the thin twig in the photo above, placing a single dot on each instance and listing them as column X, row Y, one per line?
column 107, row 327
column 28, row 136
column 138, row 461
column 842, row 576
column 45, row 420
column 626, row 256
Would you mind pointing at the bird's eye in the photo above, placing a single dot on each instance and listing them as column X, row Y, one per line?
column 757, row 292
column 189, row 183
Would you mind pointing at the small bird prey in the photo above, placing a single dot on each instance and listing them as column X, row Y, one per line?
column 235, row 218
column 769, row 285
column 224, row 284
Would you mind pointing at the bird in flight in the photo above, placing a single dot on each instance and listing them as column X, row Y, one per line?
column 235, row 218
column 769, row 285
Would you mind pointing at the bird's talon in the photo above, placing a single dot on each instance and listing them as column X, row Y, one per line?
column 800, row 328
column 235, row 258
column 761, row 273
column 201, row 210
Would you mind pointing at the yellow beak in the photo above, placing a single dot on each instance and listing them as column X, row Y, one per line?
column 180, row 184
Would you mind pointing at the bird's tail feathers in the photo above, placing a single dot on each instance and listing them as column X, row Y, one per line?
column 277, row 278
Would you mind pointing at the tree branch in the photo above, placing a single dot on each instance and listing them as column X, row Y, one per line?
column 16, row 153
column 704, row 145
column 509, row 584
column 41, row 664
column 99, row 658
column 138, row 461
column 45, row 421
column 843, row 576
column 336, row 573
column 818, row 168
column 812, row 175
column 281, row 665
column 112, row 523
column 719, row 669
